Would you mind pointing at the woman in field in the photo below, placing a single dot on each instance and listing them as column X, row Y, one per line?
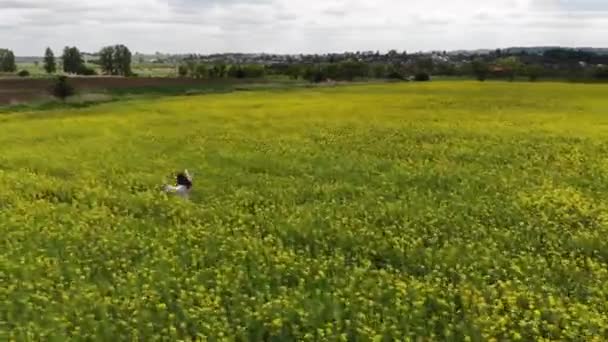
column 183, row 185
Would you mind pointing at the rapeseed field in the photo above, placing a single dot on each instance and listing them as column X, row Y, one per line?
column 447, row 211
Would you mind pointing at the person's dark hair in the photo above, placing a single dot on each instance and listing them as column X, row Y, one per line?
column 182, row 179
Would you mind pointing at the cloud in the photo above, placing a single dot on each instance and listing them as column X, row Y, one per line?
column 293, row 26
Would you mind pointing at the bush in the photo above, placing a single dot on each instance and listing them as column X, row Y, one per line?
column 314, row 74
column 86, row 71
column 182, row 71
column 422, row 77
column 534, row 71
column 62, row 89
column 394, row 75
column 601, row 73
column 23, row 73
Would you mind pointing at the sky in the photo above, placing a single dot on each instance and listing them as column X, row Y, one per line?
column 299, row 26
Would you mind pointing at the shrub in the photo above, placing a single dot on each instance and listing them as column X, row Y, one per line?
column 601, row 73
column 182, row 71
column 422, row 77
column 23, row 73
column 534, row 72
column 314, row 74
column 62, row 89
column 481, row 69
column 394, row 75
column 86, row 71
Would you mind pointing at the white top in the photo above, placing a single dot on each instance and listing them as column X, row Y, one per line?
column 179, row 190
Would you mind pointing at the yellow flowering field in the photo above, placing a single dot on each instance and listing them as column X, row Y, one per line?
column 447, row 211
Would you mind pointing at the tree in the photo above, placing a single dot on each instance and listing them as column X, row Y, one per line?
column 349, row 70
column 236, row 71
column 123, row 60
column 200, row 71
column 106, row 60
column 534, row 71
column 425, row 65
column 7, row 61
column 218, row 71
column 314, row 74
column 394, row 72
column 23, row 73
column 182, row 71
column 422, row 77
column 294, row 71
column 601, row 73
column 62, row 89
column 480, row 69
column 511, row 66
column 72, row 60
column 115, row 60
column 379, row 71
column 50, row 65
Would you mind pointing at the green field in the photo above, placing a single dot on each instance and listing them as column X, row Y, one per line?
column 446, row 211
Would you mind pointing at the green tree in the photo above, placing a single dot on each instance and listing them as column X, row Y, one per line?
column 50, row 65
column 480, row 69
column 115, row 60
column 236, row 71
column 182, row 71
column 424, row 65
column 379, row 71
column 7, row 61
column 218, row 71
column 314, row 74
column 106, row 60
column 349, row 70
column 72, row 60
column 511, row 66
column 534, row 71
column 294, row 71
column 62, row 89
column 200, row 71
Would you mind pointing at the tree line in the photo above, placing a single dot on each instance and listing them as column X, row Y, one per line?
column 552, row 64
column 113, row 60
column 499, row 64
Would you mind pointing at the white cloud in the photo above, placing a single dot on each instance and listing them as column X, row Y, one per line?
column 206, row 26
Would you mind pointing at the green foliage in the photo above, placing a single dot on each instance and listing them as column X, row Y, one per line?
column 201, row 71
column 510, row 66
column 379, row 71
column 349, row 70
column 440, row 211
column 342, row 71
column 601, row 73
column 480, row 69
column 294, row 71
column 314, row 74
column 73, row 63
column 62, row 88
column 7, row 61
column 533, row 71
column 50, row 65
column 23, row 73
column 246, row 71
column 422, row 77
column 86, row 71
column 115, row 60
column 394, row 73
column 182, row 71
column 218, row 71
